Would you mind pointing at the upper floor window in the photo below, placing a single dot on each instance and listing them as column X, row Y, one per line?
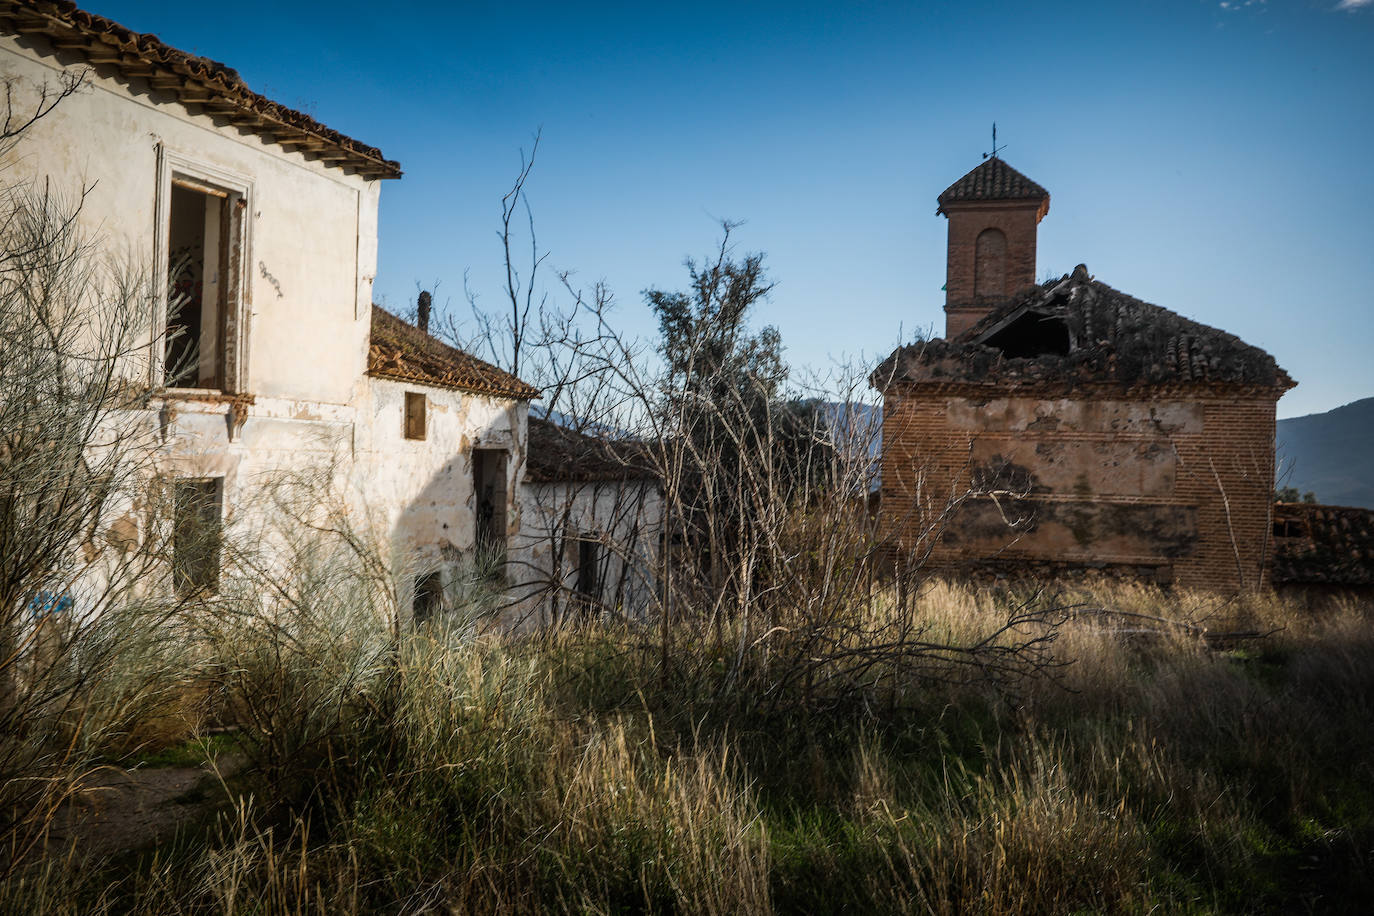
column 202, row 240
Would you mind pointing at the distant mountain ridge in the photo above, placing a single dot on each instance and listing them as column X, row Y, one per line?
column 1330, row 454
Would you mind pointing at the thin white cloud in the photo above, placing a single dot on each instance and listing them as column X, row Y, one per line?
column 1351, row 6
column 1233, row 5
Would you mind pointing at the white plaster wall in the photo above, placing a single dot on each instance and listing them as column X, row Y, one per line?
column 628, row 515
column 419, row 494
column 307, row 465
column 411, row 499
column 281, row 441
column 311, row 252
column 316, row 418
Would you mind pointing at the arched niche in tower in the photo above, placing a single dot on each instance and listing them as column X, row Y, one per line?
column 990, row 265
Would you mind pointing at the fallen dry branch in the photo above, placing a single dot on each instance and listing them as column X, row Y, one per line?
column 1150, row 625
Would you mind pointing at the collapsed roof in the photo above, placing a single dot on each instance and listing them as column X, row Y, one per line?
column 1323, row 545
column 1077, row 330
column 197, row 82
column 558, row 454
column 400, row 351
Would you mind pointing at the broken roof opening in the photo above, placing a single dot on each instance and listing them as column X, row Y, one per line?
column 1031, row 335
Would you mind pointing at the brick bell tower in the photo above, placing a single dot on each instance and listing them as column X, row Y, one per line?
column 993, row 213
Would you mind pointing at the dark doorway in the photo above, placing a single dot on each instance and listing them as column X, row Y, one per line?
column 428, row 597
column 489, row 488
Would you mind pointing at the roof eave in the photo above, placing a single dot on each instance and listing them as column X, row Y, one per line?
column 131, row 57
column 530, row 393
column 1041, row 205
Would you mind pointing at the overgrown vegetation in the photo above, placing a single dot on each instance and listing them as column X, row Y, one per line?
column 782, row 727
column 563, row 773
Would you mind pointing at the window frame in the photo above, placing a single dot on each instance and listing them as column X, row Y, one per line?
column 176, row 168
column 411, row 398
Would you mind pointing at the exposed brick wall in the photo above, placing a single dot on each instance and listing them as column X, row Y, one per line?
column 1017, row 221
column 1176, row 482
column 1234, row 458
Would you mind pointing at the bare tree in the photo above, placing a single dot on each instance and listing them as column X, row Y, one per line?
column 81, row 525
column 504, row 335
column 767, row 562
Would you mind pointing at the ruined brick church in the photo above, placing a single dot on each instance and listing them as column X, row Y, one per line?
column 1067, row 426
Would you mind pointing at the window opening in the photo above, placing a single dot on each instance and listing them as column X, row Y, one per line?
column 1032, row 335
column 197, row 533
column 200, row 247
column 590, row 574
column 415, row 415
column 428, row 597
column 1289, row 528
column 489, row 487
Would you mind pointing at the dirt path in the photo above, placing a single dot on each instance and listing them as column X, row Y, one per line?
column 119, row 810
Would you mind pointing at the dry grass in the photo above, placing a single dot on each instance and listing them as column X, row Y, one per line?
column 567, row 775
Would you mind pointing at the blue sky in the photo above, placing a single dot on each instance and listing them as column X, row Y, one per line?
column 1209, row 157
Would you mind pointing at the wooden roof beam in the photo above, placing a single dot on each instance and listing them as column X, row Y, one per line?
column 102, row 54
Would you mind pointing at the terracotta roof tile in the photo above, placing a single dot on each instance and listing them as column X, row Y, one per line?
column 1114, row 338
column 216, row 88
column 1323, row 545
column 993, row 180
column 557, row 454
column 402, row 352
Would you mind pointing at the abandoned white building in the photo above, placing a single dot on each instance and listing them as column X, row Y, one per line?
column 446, row 450
column 265, row 353
column 591, row 522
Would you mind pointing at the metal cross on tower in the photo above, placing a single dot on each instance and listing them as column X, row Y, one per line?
column 995, row 148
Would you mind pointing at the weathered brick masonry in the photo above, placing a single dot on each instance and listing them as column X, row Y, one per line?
column 1071, row 426
column 1175, row 489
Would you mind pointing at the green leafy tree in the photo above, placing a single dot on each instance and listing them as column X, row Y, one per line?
column 1294, row 495
column 740, row 450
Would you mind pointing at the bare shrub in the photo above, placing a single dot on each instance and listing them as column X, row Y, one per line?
column 762, row 555
column 80, row 530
